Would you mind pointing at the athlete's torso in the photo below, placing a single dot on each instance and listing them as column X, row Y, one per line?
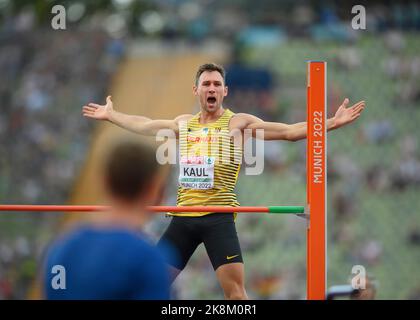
column 209, row 164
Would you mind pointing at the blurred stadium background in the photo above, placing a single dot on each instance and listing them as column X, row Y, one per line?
column 145, row 54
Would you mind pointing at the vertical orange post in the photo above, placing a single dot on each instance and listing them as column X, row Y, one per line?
column 316, row 183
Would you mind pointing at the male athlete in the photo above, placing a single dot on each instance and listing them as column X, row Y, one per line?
column 109, row 258
column 204, row 180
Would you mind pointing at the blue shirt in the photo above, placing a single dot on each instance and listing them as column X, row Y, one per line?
column 112, row 263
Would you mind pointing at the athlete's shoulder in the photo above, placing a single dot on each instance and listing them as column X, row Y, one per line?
column 229, row 113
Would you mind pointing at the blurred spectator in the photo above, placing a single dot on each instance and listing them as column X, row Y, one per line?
column 406, row 170
column 377, row 178
column 369, row 293
column 250, row 89
column 349, row 59
column 266, row 286
column 415, row 294
column 110, row 248
column 274, row 155
column 371, row 252
column 379, row 131
column 343, row 204
column 304, row 16
column 414, row 236
column 394, row 41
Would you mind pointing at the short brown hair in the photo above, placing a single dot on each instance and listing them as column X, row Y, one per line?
column 210, row 67
column 129, row 168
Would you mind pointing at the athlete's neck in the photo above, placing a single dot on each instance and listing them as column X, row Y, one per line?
column 209, row 117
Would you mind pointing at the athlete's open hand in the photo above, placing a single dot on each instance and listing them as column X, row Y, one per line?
column 99, row 112
column 346, row 115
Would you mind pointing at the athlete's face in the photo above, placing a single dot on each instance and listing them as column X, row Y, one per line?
column 210, row 90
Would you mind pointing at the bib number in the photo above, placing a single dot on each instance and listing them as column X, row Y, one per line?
column 197, row 172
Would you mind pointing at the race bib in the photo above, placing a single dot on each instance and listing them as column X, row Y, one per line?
column 196, row 172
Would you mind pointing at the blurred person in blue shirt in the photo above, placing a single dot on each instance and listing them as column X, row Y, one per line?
column 109, row 258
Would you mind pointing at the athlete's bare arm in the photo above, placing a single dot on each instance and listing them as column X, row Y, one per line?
column 138, row 124
column 297, row 131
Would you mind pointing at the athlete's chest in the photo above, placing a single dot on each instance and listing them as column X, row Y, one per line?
column 206, row 134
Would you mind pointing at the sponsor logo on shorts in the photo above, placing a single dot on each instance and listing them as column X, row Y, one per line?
column 231, row 257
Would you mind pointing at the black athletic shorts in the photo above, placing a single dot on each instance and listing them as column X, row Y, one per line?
column 217, row 231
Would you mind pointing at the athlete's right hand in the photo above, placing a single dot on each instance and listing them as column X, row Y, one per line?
column 99, row 112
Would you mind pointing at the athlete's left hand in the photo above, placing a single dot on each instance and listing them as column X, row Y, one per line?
column 346, row 115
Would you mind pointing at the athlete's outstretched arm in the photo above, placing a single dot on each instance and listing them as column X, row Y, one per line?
column 298, row 131
column 137, row 124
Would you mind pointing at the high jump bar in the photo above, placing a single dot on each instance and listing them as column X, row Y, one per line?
column 90, row 208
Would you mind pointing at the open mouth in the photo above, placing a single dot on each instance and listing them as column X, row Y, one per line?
column 211, row 100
